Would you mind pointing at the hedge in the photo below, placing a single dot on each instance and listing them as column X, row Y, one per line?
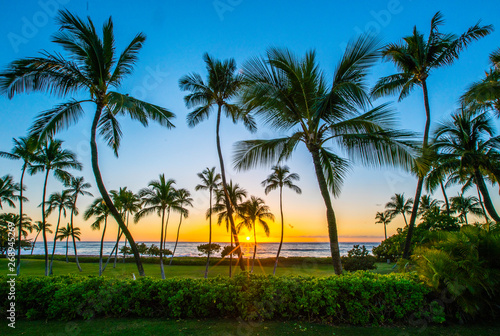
column 359, row 298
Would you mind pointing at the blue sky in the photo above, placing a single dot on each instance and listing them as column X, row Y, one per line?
column 178, row 33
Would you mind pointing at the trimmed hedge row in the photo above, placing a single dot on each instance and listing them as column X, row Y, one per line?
column 359, row 298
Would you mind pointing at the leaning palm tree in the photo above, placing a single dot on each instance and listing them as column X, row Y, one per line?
column 384, row 218
column 251, row 212
column 52, row 158
column 66, row 233
column 415, row 58
column 398, row 205
column 236, row 196
column 222, row 86
column 182, row 199
column 77, row 187
column 39, row 227
column 463, row 205
column 471, row 148
column 280, row 177
column 100, row 211
column 24, row 149
column 292, row 94
column 159, row 198
column 59, row 201
column 92, row 67
column 209, row 181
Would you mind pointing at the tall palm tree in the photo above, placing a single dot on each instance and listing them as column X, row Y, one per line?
column 486, row 92
column 39, row 226
column 93, row 67
column 280, row 177
column 130, row 204
column 251, row 212
column 292, row 94
column 384, row 218
column 77, row 186
column 415, row 58
column 52, row 158
column 209, row 181
column 463, row 205
column 182, row 199
column 471, row 148
column 100, row 211
column 24, row 149
column 8, row 190
column 58, row 201
column 159, row 198
column 222, row 86
column 236, row 196
column 398, row 205
column 66, row 232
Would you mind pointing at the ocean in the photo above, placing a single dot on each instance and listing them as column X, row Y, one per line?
column 188, row 249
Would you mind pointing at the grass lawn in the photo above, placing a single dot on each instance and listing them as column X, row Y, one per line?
column 133, row 327
column 125, row 270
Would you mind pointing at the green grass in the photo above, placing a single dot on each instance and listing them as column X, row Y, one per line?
column 224, row 327
column 125, row 270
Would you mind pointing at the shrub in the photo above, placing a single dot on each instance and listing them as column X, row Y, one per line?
column 204, row 248
column 360, row 298
column 358, row 259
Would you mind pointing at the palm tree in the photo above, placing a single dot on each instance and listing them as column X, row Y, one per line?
column 93, row 67
column 399, row 205
column 58, row 201
column 292, row 94
column 252, row 212
column 415, row 58
column 209, row 181
column 486, row 92
column 236, row 196
column 39, row 226
column 24, row 149
column 223, row 84
column 8, row 189
column 469, row 144
column 384, row 218
column 182, row 198
column 462, row 205
column 159, row 198
column 427, row 203
column 52, row 157
column 66, row 232
column 100, row 211
column 280, row 177
column 77, row 186
column 130, row 203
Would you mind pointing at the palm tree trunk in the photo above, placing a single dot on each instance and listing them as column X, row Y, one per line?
column 104, row 193
column 330, row 214
column 231, row 258
column 67, row 239
column 404, row 217
column 209, row 235
column 102, row 245
column 486, row 196
column 282, row 229
column 112, row 251
column 224, row 186
column 418, row 192
column 161, row 244
column 385, row 230
column 72, row 232
column 34, row 242
column 55, row 239
column 176, row 241
column 20, row 220
column 445, row 198
column 44, row 234
column 118, row 237
column 125, row 241
column 254, row 247
column 482, row 207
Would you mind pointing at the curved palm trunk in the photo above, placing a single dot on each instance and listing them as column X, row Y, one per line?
column 404, row 217
column 34, row 242
column 18, row 270
column 445, row 198
column 254, row 247
column 465, row 218
column 104, row 193
column 102, row 245
column 282, row 230
column 118, row 237
column 67, row 239
column 161, row 244
column 330, row 214
column 209, row 236
column 224, row 186
column 486, row 196
column 418, row 192
column 176, row 241
column 125, row 240
column 44, row 233
column 72, row 233
column 231, row 258
column 482, row 207
column 55, row 240
column 112, row 251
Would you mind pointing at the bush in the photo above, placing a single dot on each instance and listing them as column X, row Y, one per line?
column 359, row 298
column 358, row 259
column 204, row 248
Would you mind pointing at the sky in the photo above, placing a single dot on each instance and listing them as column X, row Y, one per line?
column 178, row 34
